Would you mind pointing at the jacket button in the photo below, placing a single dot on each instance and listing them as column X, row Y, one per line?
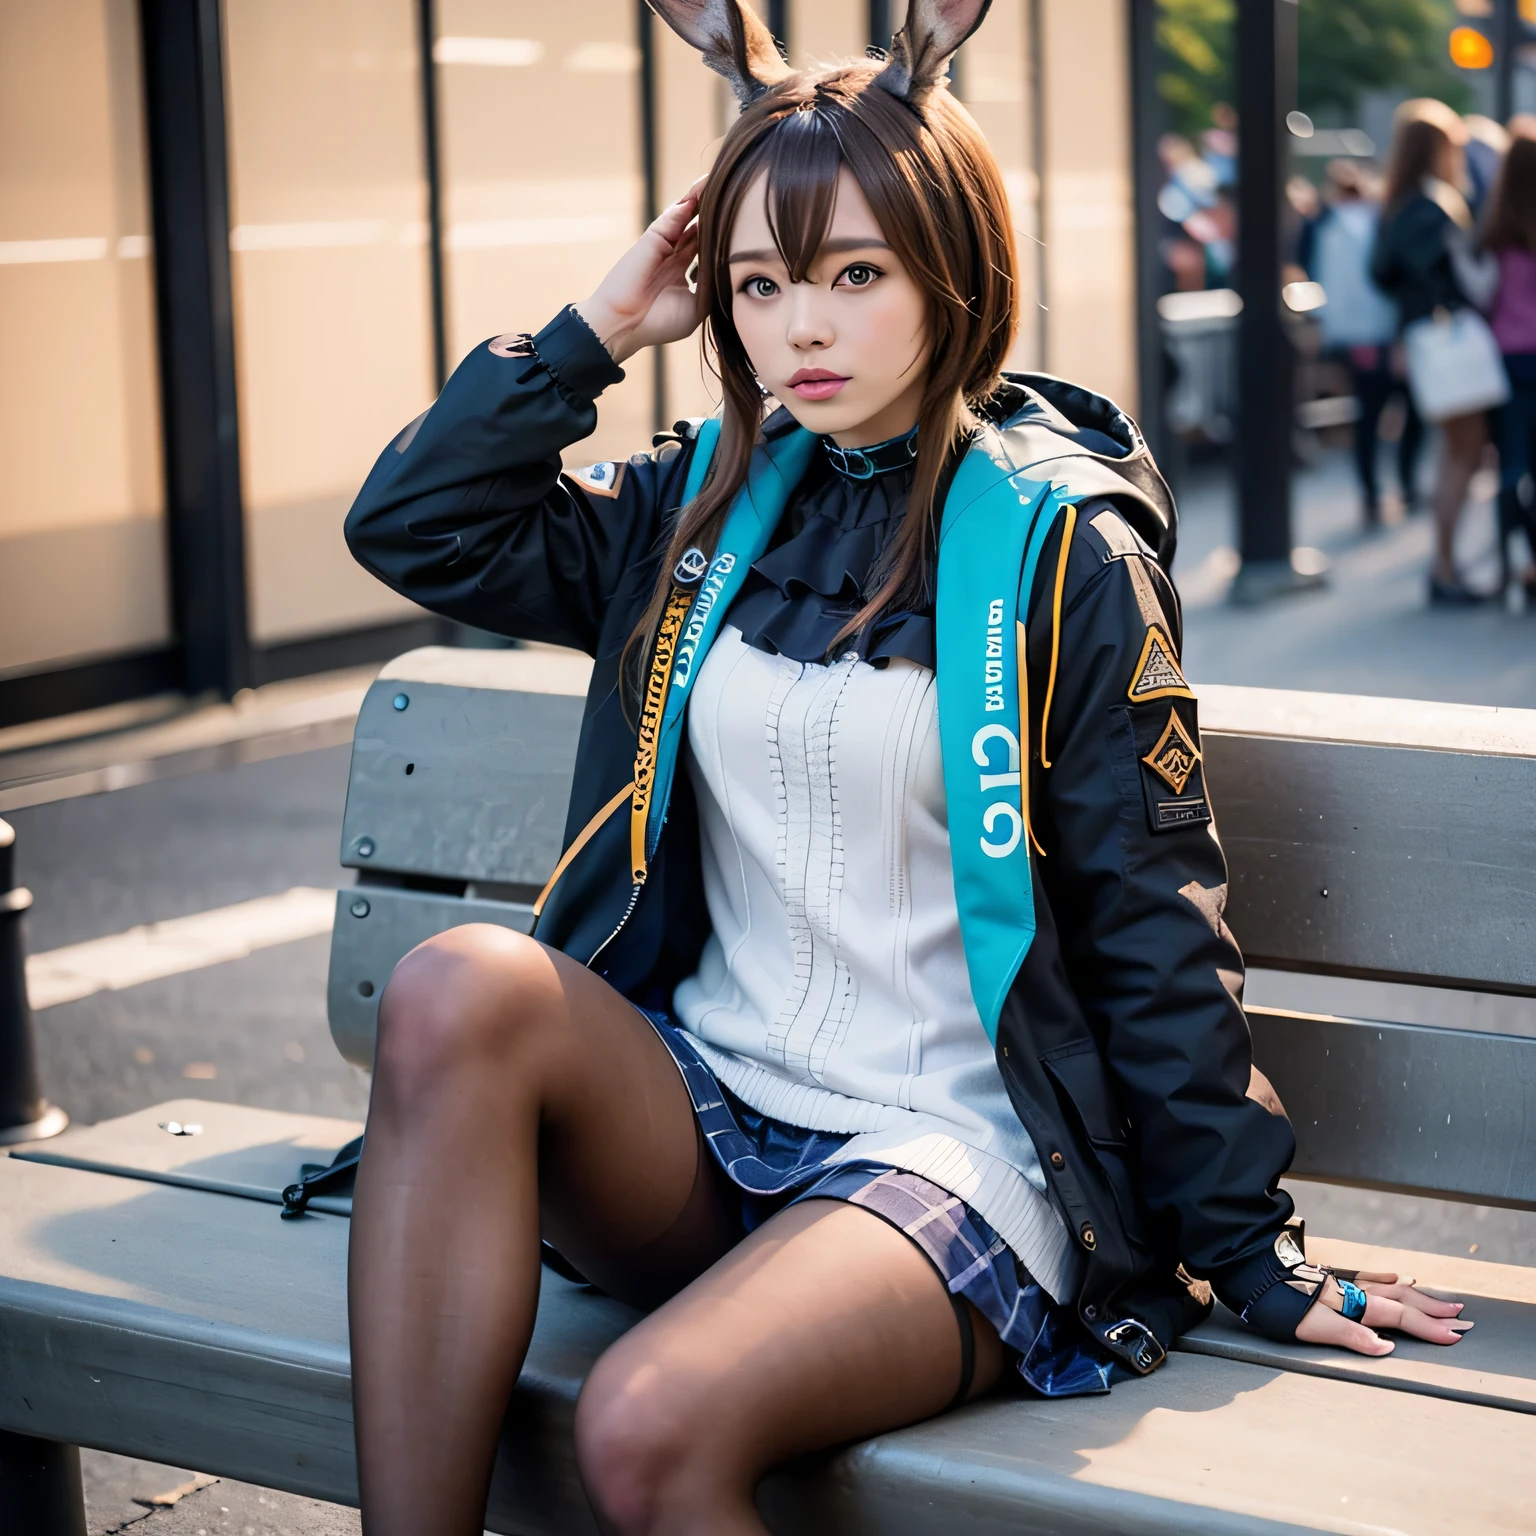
column 1057, row 1160
column 1090, row 1312
column 1090, row 1241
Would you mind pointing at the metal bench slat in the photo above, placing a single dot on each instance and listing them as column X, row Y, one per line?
column 1406, row 1107
column 488, row 787
column 1399, row 863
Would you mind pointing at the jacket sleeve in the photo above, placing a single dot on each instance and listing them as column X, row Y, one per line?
column 1137, row 883
column 467, row 511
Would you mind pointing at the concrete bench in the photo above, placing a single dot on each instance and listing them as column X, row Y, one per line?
column 153, row 1304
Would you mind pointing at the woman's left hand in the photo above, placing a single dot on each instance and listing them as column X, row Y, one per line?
column 1391, row 1302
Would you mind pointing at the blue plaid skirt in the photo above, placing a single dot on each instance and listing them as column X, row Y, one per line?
column 776, row 1165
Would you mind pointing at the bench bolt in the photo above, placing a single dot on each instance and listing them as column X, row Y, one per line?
column 25, row 1115
column 365, row 846
column 360, row 907
column 401, row 701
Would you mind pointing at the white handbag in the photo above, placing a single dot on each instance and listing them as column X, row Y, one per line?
column 1454, row 367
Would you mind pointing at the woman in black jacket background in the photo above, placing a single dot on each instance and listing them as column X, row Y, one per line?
column 1422, row 262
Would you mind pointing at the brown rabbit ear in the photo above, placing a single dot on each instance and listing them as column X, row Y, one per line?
column 922, row 49
column 731, row 38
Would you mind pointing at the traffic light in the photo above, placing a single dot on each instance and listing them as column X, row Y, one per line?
column 1470, row 49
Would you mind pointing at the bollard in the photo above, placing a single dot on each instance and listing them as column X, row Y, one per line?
column 25, row 1115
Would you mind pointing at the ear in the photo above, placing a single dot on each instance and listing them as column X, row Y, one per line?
column 922, row 49
column 731, row 38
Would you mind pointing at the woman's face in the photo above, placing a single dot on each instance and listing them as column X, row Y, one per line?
column 847, row 349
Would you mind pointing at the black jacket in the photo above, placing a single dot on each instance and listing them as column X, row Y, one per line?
column 1123, row 1042
column 1411, row 261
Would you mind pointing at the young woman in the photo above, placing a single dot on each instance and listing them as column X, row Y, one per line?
column 1509, row 233
column 880, row 1034
column 1423, row 262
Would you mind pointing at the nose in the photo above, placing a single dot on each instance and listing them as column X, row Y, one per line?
column 810, row 325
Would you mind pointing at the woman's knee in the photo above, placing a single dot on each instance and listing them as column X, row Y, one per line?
column 650, row 1454
column 460, row 1002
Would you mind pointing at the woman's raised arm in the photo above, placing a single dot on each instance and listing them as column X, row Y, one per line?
column 467, row 511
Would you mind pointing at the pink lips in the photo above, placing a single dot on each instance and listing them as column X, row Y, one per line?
column 817, row 383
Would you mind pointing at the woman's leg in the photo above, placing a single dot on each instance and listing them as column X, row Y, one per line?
column 1409, row 446
column 1372, row 385
column 1461, row 453
column 825, row 1325
column 509, row 1084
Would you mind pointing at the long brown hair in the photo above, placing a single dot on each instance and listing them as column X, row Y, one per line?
column 937, row 194
column 1512, row 208
column 1421, row 130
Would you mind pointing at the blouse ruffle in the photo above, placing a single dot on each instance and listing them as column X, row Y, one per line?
column 816, row 574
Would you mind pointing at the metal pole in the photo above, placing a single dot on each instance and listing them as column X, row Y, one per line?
column 189, row 177
column 431, row 145
column 880, row 28
column 25, row 1115
column 1266, row 91
column 1146, row 114
column 1508, row 17
column 650, row 172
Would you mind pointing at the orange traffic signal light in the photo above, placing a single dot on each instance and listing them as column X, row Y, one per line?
column 1470, row 49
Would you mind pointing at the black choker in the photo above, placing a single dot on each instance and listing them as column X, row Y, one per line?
column 877, row 459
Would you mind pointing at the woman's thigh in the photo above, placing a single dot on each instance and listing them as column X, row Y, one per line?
column 542, row 1063
column 825, row 1325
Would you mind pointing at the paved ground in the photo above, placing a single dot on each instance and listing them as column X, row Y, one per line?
column 1369, row 630
column 102, row 863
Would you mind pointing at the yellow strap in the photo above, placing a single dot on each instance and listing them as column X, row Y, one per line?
column 657, row 684
column 1020, row 640
column 1061, row 577
column 582, row 839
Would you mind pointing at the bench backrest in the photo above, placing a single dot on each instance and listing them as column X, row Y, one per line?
column 1365, row 837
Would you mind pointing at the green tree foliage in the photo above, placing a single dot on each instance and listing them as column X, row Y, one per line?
column 1350, row 46
column 1346, row 47
column 1196, row 41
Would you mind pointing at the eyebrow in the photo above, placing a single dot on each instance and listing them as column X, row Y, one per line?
column 829, row 248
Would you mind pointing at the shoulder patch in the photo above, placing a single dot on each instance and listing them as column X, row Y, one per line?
column 1157, row 674
column 1172, row 767
column 600, row 479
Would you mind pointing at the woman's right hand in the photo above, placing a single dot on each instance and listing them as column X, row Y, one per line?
column 1390, row 1303
column 645, row 299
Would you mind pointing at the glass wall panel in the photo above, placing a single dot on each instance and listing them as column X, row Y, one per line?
column 332, row 288
column 1089, row 220
column 542, row 174
column 993, row 76
column 82, row 537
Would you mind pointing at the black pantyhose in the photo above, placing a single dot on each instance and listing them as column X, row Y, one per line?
column 515, row 1092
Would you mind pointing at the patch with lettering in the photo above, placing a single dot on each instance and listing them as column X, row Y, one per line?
column 1157, row 674
column 1172, row 766
column 600, row 479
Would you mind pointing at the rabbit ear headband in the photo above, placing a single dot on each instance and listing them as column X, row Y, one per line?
column 738, row 46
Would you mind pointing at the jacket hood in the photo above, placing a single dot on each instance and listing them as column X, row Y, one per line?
column 1090, row 447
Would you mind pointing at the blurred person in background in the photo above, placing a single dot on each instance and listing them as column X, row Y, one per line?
column 1359, row 324
column 1422, row 258
column 1487, row 143
column 1509, row 236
